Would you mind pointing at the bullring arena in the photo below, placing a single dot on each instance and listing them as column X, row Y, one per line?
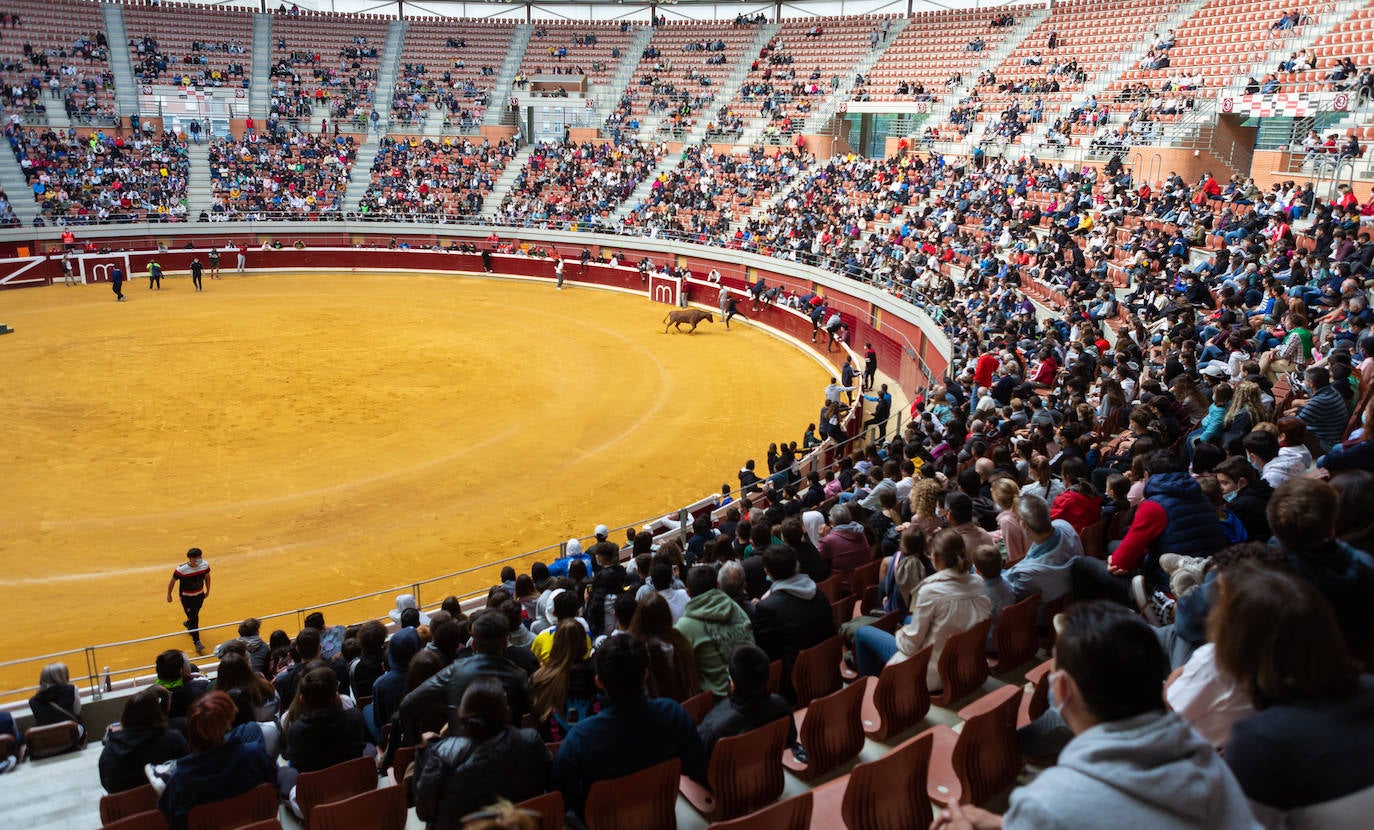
column 320, row 434
column 1091, row 541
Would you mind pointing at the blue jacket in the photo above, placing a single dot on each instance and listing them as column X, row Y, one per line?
column 1193, row 527
column 626, row 737
column 230, row 770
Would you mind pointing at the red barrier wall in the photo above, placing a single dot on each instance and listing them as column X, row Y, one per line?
column 900, row 344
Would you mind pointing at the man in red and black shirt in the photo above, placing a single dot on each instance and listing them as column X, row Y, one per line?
column 194, row 576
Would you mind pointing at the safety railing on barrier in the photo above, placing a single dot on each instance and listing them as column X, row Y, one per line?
column 100, row 669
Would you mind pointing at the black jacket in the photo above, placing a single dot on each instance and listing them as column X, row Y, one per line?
column 733, row 716
column 446, row 689
column 785, row 623
column 126, row 751
column 322, row 739
column 1249, row 505
column 456, row 776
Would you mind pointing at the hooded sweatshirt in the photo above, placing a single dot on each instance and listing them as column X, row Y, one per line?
column 714, row 624
column 1149, row 772
column 128, row 750
column 794, row 615
column 845, row 548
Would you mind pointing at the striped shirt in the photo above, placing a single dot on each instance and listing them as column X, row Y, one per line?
column 191, row 576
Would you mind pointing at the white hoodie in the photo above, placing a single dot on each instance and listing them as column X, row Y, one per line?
column 1291, row 462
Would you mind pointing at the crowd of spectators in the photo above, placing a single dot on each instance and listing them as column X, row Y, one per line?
column 567, row 182
column 152, row 63
column 707, row 191
column 341, row 88
column 77, row 75
column 279, row 173
column 102, row 177
column 426, row 178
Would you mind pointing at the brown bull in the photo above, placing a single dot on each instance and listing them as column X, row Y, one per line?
column 675, row 319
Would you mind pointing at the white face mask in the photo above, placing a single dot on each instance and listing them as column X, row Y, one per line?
column 1055, row 704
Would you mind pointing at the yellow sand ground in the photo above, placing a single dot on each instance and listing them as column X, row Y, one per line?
column 323, row 436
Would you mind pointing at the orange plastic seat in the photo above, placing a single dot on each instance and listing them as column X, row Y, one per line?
column 833, row 588
column 378, row 809
column 745, row 773
column 775, row 677
column 963, row 665
column 146, row 820
column 792, row 814
column 897, row 699
column 549, row 807
column 699, row 706
column 864, row 577
column 400, row 762
column 830, row 731
column 817, row 670
column 1016, row 638
column 54, row 739
column 981, row 760
column 887, row 793
column 1038, row 701
column 335, row 783
column 116, row 806
column 644, row 800
column 258, row 804
column 1094, row 539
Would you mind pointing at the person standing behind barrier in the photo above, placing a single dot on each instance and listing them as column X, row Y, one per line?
column 154, row 275
column 68, row 274
column 881, row 411
column 196, row 271
column 214, row 263
column 870, row 366
column 117, row 283
column 848, row 372
column 558, row 272
column 194, row 578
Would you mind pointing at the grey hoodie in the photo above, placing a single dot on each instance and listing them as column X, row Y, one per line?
column 1150, row 772
column 800, row 586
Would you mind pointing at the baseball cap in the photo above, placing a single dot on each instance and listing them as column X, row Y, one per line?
column 601, row 530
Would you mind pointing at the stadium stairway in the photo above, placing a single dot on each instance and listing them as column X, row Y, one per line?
column 608, row 98
column 505, row 79
column 940, row 110
column 126, row 88
column 492, row 201
column 1099, row 84
column 199, row 194
column 260, row 86
column 730, row 86
column 388, row 70
column 19, row 192
column 820, row 119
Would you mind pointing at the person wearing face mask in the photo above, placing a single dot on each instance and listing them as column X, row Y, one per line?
column 1129, row 758
column 1247, row 494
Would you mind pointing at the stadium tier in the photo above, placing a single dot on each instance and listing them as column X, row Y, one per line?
column 1085, row 500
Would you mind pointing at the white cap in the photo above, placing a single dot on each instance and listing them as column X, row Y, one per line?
column 601, row 530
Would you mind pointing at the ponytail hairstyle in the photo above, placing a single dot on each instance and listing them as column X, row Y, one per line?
column 947, row 549
column 484, row 713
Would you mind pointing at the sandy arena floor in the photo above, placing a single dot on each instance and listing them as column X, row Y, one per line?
column 321, row 437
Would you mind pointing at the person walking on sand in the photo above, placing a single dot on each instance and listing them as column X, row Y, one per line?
column 196, row 271
column 154, row 275
column 68, row 273
column 243, row 257
column 192, row 581
column 117, row 283
column 214, row 263
column 558, row 271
